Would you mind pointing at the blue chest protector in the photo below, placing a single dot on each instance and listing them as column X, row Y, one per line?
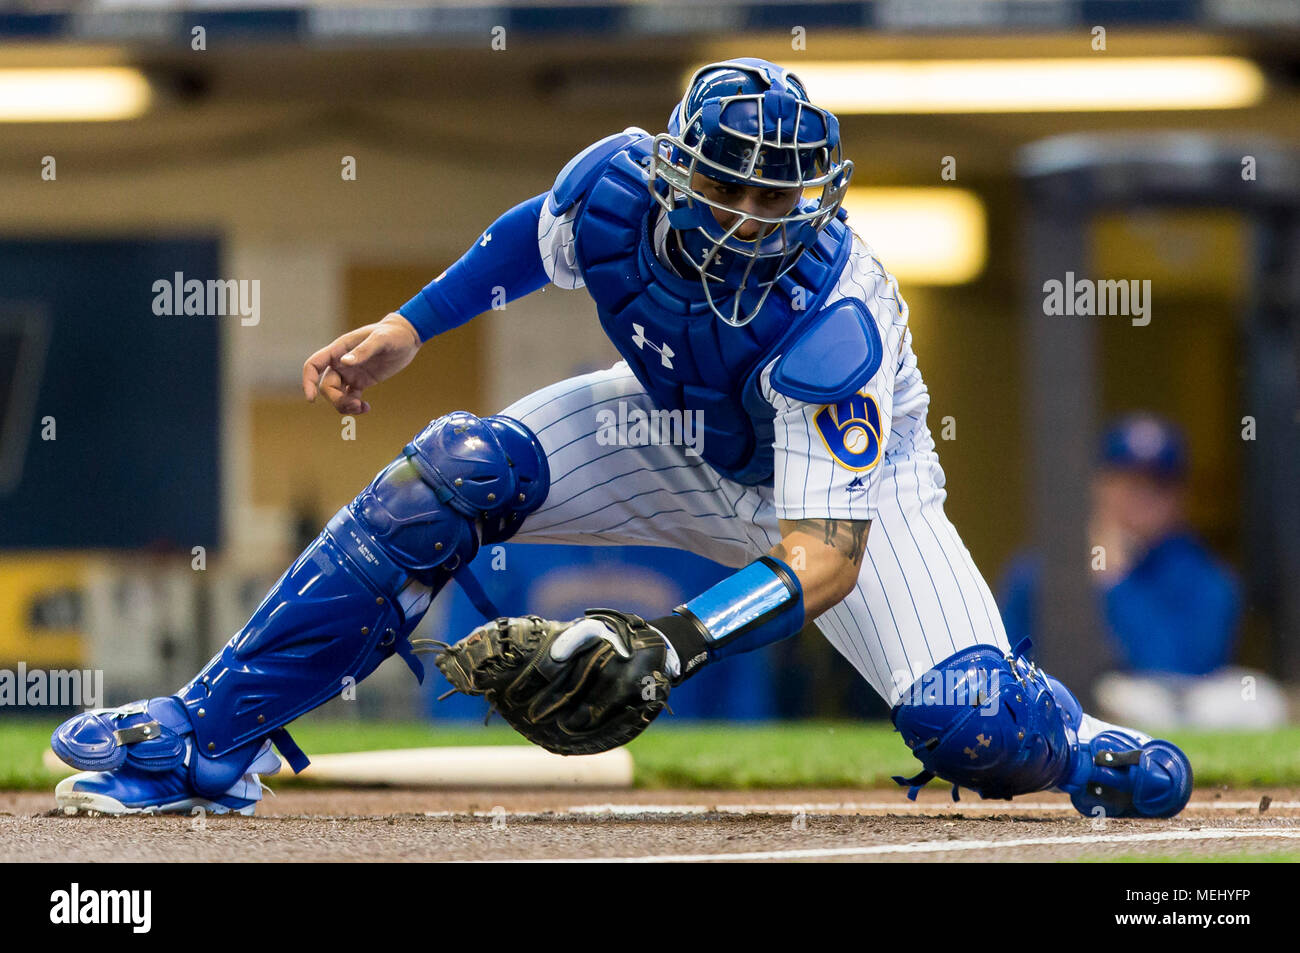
column 685, row 357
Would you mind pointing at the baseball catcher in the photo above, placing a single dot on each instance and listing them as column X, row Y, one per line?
column 723, row 269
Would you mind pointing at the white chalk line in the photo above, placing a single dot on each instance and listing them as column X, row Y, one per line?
column 835, row 808
column 925, row 847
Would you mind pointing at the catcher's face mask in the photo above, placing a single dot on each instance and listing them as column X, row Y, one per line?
column 748, row 123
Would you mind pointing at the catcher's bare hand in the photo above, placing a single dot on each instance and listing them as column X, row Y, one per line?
column 357, row 360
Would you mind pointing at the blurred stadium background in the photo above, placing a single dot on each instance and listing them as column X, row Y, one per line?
column 232, row 161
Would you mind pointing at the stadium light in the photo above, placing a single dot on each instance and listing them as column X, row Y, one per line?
column 924, row 236
column 1034, row 85
column 72, row 95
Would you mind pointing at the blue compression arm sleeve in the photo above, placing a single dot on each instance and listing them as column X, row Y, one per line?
column 504, row 257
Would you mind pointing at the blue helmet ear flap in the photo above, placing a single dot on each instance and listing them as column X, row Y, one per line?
column 832, row 127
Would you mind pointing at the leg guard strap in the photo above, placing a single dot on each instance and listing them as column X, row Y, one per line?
column 289, row 750
column 474, row 590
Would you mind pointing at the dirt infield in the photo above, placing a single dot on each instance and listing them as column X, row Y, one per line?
column 564, row 825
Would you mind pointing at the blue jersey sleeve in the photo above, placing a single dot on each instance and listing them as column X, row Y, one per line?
column 503, row 264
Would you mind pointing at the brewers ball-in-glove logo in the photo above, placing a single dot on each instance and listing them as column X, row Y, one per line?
column 851, row 431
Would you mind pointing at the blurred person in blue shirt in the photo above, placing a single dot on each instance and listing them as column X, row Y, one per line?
column 1170, row 608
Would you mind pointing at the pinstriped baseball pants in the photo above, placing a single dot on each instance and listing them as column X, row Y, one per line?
column 919, row 596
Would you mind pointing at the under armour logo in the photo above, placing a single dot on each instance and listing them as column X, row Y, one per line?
column 487, row 237
column 664, row 351
column 980, row 742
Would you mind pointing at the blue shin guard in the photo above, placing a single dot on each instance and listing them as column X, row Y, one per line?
column 1119, row 772
column 998, row 725
column 348, row 602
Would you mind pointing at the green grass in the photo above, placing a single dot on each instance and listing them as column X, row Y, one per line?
column 695, row 754
column 850, row 754
column 22, row 742
column 1243, row 758
column 793, row 754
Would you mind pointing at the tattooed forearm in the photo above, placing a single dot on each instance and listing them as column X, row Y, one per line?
column 826, row 555
column 847, row 537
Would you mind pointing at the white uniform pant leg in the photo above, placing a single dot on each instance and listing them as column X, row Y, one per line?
column 605, row 493
column 919, row 597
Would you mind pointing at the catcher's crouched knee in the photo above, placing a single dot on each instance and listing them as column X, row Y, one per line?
column 582, row 700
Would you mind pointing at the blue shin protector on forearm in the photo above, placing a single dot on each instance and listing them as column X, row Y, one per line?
column 348, row 602
column 754, row 606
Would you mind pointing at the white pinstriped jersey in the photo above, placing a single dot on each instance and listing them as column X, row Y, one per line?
column 810, row 482
column 919, row 596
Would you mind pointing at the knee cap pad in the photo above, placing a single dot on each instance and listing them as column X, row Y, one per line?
column 403, row 516
column 482, row 467
column 458, row 471
column 526, row 457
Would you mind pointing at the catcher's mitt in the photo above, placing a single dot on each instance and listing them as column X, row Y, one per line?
column 587, row 700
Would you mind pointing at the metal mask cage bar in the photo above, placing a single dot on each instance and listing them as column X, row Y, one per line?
column 760, row 142
column 678, row 181
column 834, row 185
column 831, row 155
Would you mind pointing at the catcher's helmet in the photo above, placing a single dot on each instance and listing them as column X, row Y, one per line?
column 748, row 122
